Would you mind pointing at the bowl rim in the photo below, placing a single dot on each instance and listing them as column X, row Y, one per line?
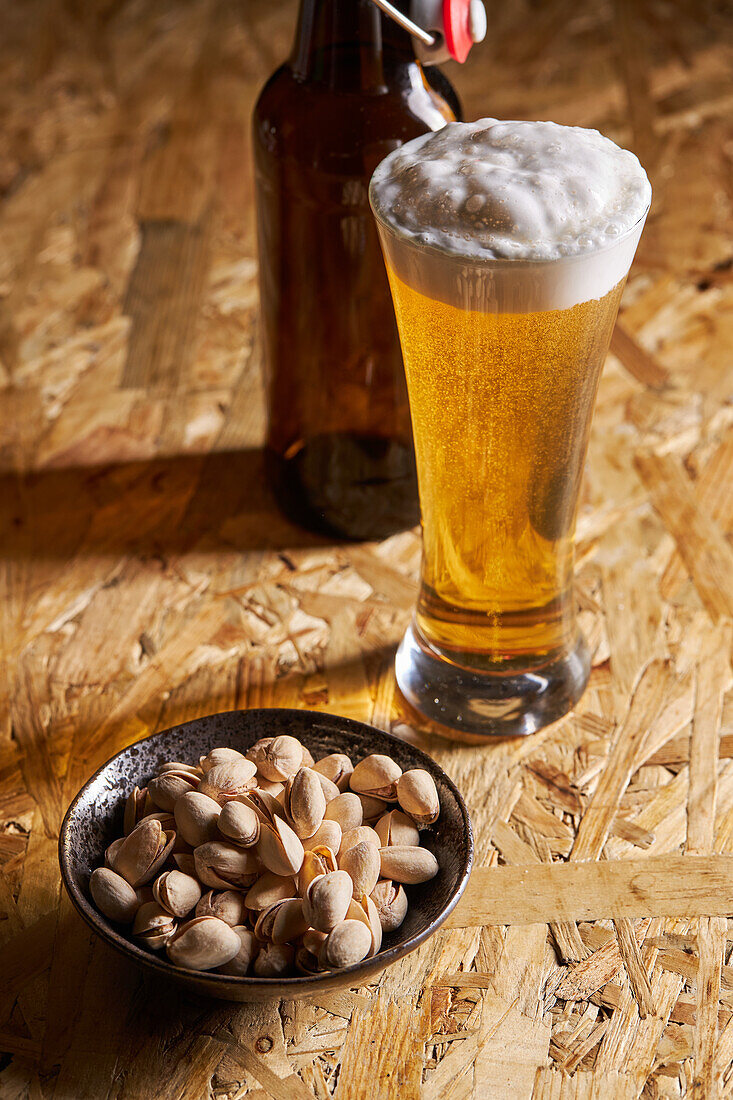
column 279, row 987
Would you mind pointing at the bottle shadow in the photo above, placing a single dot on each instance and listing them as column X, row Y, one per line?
column 161, row 505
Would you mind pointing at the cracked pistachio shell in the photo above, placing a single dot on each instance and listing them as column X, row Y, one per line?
column 134, row 808
column 327, row 835
column 319, row 861
column 242, row 961
column 408, row 864
column 271, row 788
column 362, row 864
column 113, row 895
column 327, row 900
column 376, row 775
column 346, row 810
column 196, row 816
column 279, row 848
column 372, row 808
column 337, row 767
column 225, row 782
column 239, row 823
column 268, row 889
column 418, row 796
column 279, row 758
column 176, row 892
column 305, row 802
column 282, row 922
column 313, row 940
column 355, row 836
column 223, row 866
column 330, row 790
column 111, row 853
column 218, row 756
column 185, row 862
column 306, row 962
column 203, row 944
column 141, row 854
column 307, row 761
column 348, row 943
column 180, row 768
column 396, row 828
column 227, row 905
column 274, row 960
column 153, row 925
column 391, row 903
column 265, row 805
column 165, row 789
column 366, row 911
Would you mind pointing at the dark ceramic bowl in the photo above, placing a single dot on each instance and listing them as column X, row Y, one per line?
column 94, row 820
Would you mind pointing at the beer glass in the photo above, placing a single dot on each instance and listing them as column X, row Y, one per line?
column 502, row 358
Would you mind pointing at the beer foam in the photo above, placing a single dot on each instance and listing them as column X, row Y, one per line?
column 521, row 191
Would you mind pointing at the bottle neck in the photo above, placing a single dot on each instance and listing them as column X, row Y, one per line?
column 349, row 45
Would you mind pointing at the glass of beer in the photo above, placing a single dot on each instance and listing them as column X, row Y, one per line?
column 507, row 245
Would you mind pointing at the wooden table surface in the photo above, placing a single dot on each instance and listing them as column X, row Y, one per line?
column 146, row 577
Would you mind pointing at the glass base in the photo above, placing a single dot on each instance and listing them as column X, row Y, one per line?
column 473, row 706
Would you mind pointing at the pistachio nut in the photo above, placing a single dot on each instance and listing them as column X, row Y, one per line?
column 113, row 895
column 279, row 759
column 305, row 802
column 372, row 808
column 224, row 782
column 141, row 854
column 327, row 835
column 223, row 866
column 408, row 864
column 418, row 796
column 279, row 848
column 219, row 756
column 376, row 775
column 316, row 862
column 282, row 922
column 362, row 864
column 268, row 889
column 135, row 808
column 366, row 911
column 348, row 943
column 228, row 905
column 337, row 767
column 391, row 903
column 185, row 862
column 176, row 892
column 396, row 828
column 274, row 960
column 153, row 925
column 242, row 961
column 327, row 900
column 239, row 823
column 355, row 836
column 346, row 810
column 203, row 944
column 196, row 816
column 165, row 789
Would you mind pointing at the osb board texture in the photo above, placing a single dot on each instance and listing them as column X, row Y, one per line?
column 141, row 586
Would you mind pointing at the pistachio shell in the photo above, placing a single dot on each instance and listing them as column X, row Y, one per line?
column 327, row 900
column 111, row 853
column 396, row 828
column 348, row 943
column 227, row 905
column 196, row 816
column 362, row 864
column 328, row 835
column 218, row 756
column 376, row 775
column 165, row 789
column 305, row 962
column 134, row 808
column 391, row 904
column 274, row 960
column 372, row 808
column 180, row 768
column 113, row 895
column 307, row 761
column 153, row 925
column 185, row 862
column 265, row 805
column 239, row 823
column 403, row 863
column 279, row 848
column 270, row 787
column 256, row 752
column 346, row 810
column 313, row 940
column 224, row 782
column 143, row 852
column 282, row 922
column 319, row 861
column 355, row 836
column 268, row 889
column 203, row 944
column 305, row 802
column 330, row 790
column 176, row 892
column 242, row 961
column 223, row 866
column 280, row 758
column 418, row 796
column 337, row 767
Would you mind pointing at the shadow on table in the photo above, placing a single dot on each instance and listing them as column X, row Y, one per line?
column 162, row 505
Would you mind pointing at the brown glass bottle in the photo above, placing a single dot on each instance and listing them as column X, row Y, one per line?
column 339, row 442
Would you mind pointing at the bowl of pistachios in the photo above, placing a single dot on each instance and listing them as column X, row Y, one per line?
column 260, row 854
